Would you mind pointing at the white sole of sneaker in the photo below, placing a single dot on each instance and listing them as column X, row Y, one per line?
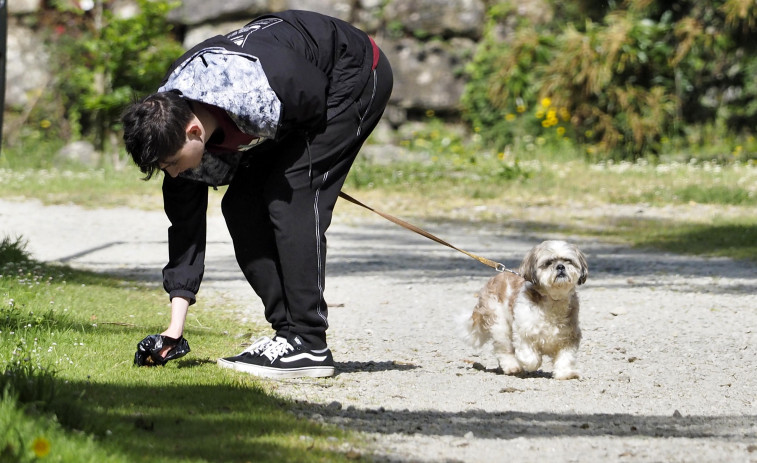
column 283, row 373
column 223, row 363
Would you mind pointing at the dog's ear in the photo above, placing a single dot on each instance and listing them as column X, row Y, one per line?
column 528, row 266
column 584, row 266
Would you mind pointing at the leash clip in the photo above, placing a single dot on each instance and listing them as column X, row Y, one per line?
column 502, row 269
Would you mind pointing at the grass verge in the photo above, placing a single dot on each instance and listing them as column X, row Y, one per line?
column 69, row 391
column 689, row 208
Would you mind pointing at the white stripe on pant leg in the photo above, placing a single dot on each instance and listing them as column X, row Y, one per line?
column 370, row 103
column 318, row 247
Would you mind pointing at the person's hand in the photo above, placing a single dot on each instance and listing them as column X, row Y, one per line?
column 156, row 350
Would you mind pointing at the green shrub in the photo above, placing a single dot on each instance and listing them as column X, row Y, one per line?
column 104, row 61
column 634, row 82
column 13, row 251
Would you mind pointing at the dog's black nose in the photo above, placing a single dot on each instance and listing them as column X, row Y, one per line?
column 561, row 267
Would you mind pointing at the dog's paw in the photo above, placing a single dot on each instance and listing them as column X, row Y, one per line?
column 516, row 371
column 566, row 374
column 509, row 365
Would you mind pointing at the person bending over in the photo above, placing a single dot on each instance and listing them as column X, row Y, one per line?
column 278, row 110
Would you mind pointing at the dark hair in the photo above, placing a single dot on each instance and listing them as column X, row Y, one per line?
column 155, row 129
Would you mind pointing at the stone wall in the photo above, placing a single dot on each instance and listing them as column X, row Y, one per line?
column 428, row 42
column 27, row 72
column 427, row 72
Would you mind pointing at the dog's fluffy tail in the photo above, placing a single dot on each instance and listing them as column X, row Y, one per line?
column 471, row 329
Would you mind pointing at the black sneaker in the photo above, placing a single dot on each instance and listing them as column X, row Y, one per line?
column 254, row 350
column 282, row 359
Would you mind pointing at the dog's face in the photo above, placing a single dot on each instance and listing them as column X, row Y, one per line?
column 555, row 268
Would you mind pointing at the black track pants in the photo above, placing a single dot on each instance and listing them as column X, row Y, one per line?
column 280, row 205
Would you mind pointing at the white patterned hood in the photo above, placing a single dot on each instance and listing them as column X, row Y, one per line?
column 235, row 82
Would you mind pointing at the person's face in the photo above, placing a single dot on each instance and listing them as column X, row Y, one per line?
column 188, row 157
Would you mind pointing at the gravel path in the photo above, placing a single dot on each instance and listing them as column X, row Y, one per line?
column 668, row 357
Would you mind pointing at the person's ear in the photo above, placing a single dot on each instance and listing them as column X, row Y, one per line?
column 194, row 129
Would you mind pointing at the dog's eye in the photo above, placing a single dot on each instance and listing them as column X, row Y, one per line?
column 548, row 263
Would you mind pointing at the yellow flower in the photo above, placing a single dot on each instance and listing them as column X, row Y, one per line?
column 546, row 102
column 564, row 114
column 430, row 113
column 521, row 108
column 561, row 131
column 510, row 117
column 501, row 155
column 539, row 114
column 45, row 124
column 41, row 447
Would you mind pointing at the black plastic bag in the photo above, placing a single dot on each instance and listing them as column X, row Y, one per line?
column 148, row 350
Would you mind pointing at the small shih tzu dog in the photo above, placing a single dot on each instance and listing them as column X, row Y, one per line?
column 533, row 315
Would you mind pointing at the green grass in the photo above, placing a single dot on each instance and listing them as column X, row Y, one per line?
column 67, row 340
column 733, row 238
column 85, row 187
column 717, row 194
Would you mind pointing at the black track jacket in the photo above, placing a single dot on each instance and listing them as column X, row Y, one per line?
column 283, row 74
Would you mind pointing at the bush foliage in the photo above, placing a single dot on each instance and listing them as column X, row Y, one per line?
column 623, row 79
column 104, row 61
column 620, row 79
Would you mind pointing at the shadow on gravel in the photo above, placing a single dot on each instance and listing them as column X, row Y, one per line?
column 390, row 244
column 511, row 425
column 538, row 374
column 408, row 258
column 353, row 367
column 400, row 254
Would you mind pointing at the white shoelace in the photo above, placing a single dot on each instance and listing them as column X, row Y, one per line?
column 260, row 345
column 277, row 348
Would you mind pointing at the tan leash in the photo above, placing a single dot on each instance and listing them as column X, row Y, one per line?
column 495, row 265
